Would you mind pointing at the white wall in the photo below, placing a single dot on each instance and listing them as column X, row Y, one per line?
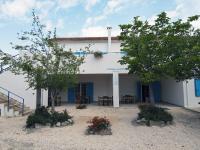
column 127, row 85
column 95, row 45
column 172, row 92
column 190, row 99
column 105, row 65
column 17, row 85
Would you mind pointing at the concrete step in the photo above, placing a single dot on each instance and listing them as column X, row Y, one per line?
column 15, row 107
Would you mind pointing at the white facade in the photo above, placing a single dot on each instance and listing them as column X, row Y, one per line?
column 109, row 78
column 18, row 85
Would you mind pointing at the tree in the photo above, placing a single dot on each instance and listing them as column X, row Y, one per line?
column 45, row 64
column 164, row 49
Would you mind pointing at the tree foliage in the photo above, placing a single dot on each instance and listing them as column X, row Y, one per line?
column 164, row 49
column 45, row 64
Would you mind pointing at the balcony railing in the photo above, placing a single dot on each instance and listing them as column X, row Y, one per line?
column 82, row 53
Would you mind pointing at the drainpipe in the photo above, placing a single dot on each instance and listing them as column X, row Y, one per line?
column 109, row 38
column 186, row 89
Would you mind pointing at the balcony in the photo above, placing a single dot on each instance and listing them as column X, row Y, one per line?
column 107, row 64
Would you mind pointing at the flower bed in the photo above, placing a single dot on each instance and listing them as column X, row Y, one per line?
column 43, row 117
column 152, row 115
column 99, row 126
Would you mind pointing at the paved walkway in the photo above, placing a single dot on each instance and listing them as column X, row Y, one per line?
column 195, row 109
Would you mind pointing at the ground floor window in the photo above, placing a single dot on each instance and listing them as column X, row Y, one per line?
column 197, row 87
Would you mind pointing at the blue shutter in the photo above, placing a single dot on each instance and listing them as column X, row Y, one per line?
column 139, row 91
column 90, row 90
column 197, row 87
column 156, row 88
column 71, row 95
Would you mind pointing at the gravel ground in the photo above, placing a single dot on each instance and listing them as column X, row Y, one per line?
column 184, row 134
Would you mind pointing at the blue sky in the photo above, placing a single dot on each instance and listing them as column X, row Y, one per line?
column 84, row 17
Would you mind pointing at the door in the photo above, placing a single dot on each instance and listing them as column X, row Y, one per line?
column 71, row 95
column 145, row 93
column 81, row 92
column 139, row 93
column 90, row 91
column 156, row 89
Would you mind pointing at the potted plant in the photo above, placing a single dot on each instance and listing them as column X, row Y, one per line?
column 98, row 54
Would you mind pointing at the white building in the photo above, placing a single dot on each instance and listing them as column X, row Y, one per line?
column 106, row 77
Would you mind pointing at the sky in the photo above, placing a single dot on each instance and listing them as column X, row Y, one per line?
column 74, row 18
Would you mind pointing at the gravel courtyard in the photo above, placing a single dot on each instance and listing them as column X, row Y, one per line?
column 184, row 134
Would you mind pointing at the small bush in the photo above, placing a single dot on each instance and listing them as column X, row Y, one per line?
column 43, row 117
column 153, row 113
column 99, row 125
column 40, row 116
column 42, row 111
column 59, row 117
column 81, row 106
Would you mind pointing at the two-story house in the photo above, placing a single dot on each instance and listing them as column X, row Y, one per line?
column 106, row 77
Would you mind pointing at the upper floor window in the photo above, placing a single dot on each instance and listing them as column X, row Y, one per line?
column 80, row 53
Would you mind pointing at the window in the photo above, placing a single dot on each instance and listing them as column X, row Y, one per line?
column 80, row 53
column 197, row 87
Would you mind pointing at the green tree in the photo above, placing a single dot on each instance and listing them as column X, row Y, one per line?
column 45, row 64
column 164, row 49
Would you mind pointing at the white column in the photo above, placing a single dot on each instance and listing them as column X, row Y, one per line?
column 44, row 97
column 116, row 89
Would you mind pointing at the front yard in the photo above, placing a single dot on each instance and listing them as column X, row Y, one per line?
column 184, row 134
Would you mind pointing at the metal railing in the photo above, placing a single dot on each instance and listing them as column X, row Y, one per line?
column 10, row 97
column 83, row 53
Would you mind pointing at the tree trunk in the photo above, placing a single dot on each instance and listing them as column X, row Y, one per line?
column 52, row 101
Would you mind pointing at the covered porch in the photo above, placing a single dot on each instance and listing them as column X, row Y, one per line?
column 108, row 90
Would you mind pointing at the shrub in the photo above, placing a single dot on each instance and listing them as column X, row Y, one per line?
column 98, row 54
column 43, row 117
column 98, row 125
column 40, row 116
column 81, row 106
column 153, row 113
column 59, row 117
column 42, row 111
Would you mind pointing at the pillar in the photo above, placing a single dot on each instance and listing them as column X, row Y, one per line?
column 115, row 89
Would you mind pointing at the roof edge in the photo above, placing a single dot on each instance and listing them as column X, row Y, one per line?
column 85, row 38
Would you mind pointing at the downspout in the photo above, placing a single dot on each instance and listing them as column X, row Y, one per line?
column 186, row 92
column 109, row 38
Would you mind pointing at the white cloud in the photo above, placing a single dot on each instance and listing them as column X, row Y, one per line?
column 21, row 9
column 90, row 3
column 113, row 6
column 96, row 31
column 50, row 25
column 60, row 24
column 67, row 3
column 16, row 8
column 183, row 10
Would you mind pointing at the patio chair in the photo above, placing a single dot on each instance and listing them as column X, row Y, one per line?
column 100, row 101
column 128, row 99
